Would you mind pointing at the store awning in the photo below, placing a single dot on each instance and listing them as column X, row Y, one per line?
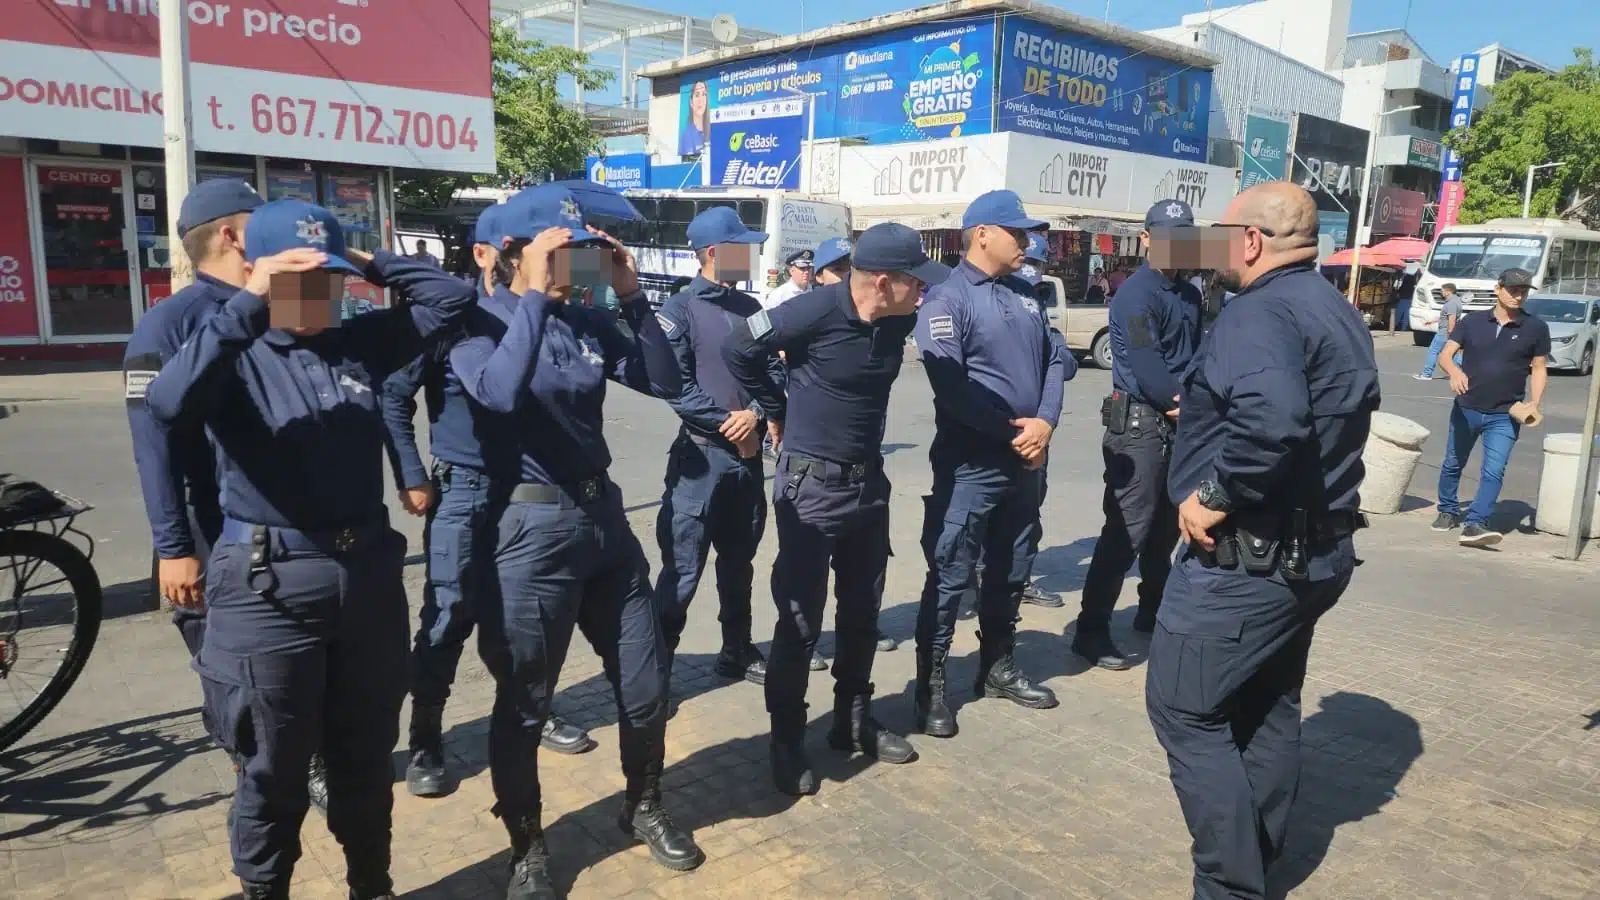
column 938, row 216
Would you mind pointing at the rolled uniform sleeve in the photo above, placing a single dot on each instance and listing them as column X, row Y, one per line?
column 751, row 346
column 692, row 403
column 941, row 333
column 1258, row 363
column 1135, row 329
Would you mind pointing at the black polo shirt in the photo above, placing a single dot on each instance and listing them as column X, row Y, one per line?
column 1497, row 359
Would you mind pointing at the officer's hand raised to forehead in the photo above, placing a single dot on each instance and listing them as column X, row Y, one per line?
column 624, row 268
column 536, row 263
column 299, row 259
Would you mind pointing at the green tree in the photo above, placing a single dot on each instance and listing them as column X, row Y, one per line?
column 1533, row 119
column 535, row 133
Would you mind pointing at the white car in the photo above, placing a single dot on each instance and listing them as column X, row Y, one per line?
column 1574, row 322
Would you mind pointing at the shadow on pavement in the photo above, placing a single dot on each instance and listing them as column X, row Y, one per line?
column 723, row 783
column 1357, row 749
column 99, row 779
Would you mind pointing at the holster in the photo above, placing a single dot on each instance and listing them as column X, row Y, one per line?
column 1114, row 412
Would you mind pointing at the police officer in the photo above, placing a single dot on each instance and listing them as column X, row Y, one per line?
column 1155, row 329
column 566, row 556
column 844, row 345
column 998, row 384
column 799, row 266
column 307, row 610
column 715, row 488
column 458, row 535
column 1265, row 470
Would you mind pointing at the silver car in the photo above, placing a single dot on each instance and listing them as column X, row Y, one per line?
column 1574, row 322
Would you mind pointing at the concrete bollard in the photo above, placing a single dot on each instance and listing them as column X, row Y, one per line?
column 1558, row 481
column 1391, row 454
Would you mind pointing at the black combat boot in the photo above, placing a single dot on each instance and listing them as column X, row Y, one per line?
column 378, row 888
column 934, row 717
column 1037, row 596
column 854, row 729
column 646, row 819
column 530, row 860
column 425, row 770
column 317, row 782
column 998, row 675
column 741, row 661
column 561, row 736
column 791, row 765
column 255, row 890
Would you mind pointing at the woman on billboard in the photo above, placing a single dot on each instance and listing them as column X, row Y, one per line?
column 697, row 124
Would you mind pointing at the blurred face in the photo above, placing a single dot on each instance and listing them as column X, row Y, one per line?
column 1511, row 297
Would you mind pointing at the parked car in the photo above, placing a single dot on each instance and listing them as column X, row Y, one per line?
column 1574, row 322
column 1087, row 329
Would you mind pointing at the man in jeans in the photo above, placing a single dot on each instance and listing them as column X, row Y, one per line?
column 1500, row 349
column 1448, row 316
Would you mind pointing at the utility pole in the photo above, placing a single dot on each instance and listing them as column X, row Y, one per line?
column 179, row 143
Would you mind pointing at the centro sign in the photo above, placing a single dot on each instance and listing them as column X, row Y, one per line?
column 92, row 177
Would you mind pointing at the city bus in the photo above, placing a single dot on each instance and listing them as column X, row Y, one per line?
column 1563, row 256
column 660, row 242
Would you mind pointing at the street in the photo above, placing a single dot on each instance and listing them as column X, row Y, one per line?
column 1451, row 712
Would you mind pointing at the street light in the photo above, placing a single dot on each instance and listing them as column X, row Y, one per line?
column 1366, row 193
column 1527, row 190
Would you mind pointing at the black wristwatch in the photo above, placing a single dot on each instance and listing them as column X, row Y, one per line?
column 1213, row 497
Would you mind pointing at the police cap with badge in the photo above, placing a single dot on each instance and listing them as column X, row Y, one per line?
column 800, row 259
column 216, row 199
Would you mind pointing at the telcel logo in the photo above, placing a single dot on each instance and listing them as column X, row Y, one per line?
column 1178, row 146
column 743, row 173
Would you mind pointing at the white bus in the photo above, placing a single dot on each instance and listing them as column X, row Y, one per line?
column 791, row 220
column 1563, row 256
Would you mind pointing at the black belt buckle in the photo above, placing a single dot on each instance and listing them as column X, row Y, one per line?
column 589, row 490
column 344, row 540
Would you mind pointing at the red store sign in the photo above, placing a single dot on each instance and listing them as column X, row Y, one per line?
column 19, row 310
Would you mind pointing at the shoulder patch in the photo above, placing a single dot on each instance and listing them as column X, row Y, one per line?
column 942, row 328
column 760, row 324
column 135, row 382
column 667, row 325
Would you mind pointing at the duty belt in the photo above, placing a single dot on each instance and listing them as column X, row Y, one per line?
column 265, row 539
column 567, row 495
column 823, row 470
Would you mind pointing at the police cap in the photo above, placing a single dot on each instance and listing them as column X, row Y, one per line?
column 211, row 200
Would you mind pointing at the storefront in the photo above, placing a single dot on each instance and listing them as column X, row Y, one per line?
column 83, row 199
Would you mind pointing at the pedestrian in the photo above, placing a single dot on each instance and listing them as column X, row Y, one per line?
column 458, row 535
column 1504, row 354
column 1119, row 276
column 566, row 555
column 845, row 343
column 1155, row 330
column 715, row 485
column 307, row 609
column 799, row 264
column 998, row 384
column 1449, row 317
column 1265, row 472
column 421, row 253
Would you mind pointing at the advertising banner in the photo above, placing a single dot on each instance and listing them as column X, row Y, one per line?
column 1424, row 154
column 1398, row 212
column 308, row 79
column 1064, row 85
column 1328, row 161
column 1061, row 174
column 955, row 170
column 1451, row 193
column 623, row 171
column 928, row 81
column 1336, row 227
column 1207, row 189
column 19, row 311
column 1266, row 150
column 757, row 144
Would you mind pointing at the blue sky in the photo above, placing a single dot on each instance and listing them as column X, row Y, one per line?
column 1544, row 29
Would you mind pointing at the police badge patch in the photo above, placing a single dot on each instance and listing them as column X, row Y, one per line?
column 760, row 324
column 136, row 383
column 667, row 325
column 942, row 327
column 1030, row 305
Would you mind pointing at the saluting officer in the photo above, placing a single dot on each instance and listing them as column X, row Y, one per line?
column 1155, row 329
column 1266, row 470
column 800, row 271
column 998, row 383
column 844, row 344
column 715, row 488
column 566, row 555
column 458, row 535
column 307, row 618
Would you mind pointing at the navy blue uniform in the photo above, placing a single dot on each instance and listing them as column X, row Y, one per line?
column 1276, row 411
column 990, row 358
column 713, row 497
column 1155, row 329
column 566, row 556
column 307, row 608
column 830, row 496
column 177, row 469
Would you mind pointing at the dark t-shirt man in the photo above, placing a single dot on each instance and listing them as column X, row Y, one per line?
column 1498, row 358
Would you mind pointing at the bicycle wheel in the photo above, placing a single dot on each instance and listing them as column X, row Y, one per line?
column 44, row 641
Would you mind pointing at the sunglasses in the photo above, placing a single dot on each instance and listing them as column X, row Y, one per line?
column 1261, row 228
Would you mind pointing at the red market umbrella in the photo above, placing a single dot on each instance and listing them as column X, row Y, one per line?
column 1403, row 247
column 1370, row 258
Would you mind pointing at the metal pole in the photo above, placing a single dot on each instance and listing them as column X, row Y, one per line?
column 1361, row 212
column 627, row 77
column 1527, row 192
column 178, row 122
column 811, row 141
column 1585, row 487
column 688, row 34
column 577, row 44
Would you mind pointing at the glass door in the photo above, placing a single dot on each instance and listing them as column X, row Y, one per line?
column 90, row 274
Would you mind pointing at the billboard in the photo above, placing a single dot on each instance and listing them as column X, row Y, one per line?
column 1266, row 151
column 1453, row 191
column 305, row 79
column 928, row 81
column 19, row 311
column 1328, row 161
column 1397, row 212
column 1065, row 85
column 1050, row 172
column 757, row 144
column 953, row 170
column 623, row 171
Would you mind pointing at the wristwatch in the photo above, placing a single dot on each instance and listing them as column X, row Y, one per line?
column 1213, row 497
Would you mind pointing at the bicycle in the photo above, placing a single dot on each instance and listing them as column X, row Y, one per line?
column 58, row 628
